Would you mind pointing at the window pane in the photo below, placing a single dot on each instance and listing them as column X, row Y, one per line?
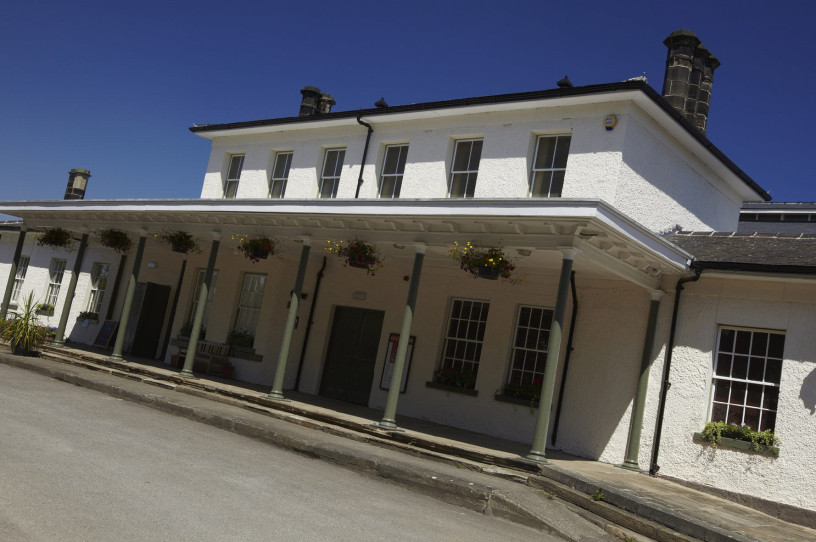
column 231, row 189
column 338, row 165
column 718, row 412
column 471, row 185
column 727, row 340
column 743, row 342
column 391, row 162
column 458, row 185
column 738, row 393
column 545, row 152
column 770, row 398
column 475, row 155
column 773, row 371
column 721, row 390
column 754, row 396
column 282, row 162
column 724, row 365
column 557, row 184
column 462, row 155
column 277, row 189
column 541, row 184
column 759, row 346
column 776, row 345
column 740, row 367
column 235, row 167
column 561, row 152
column 751, row 418
column 756, row 369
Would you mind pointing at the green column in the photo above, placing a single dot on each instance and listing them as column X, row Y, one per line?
column 280, row 370
column 198, row 317
column 553, row 354
column 69, row 296
column 12, row 273
column 389, row 416
column 129, row 293
column 636, row 423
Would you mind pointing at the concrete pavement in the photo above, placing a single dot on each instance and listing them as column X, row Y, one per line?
column 633, row 503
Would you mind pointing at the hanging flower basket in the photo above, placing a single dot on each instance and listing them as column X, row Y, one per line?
column 357, row 254
column 179, row 241
column 54, row 238
column 115, row 239
column 256, row 249
column 483, row 263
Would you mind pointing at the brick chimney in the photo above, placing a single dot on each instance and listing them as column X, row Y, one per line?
column 77, row 182
column 689, row 76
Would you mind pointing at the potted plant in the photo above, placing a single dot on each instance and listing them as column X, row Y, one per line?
column 24, row 333
column 45, row 308
column 115, row 239
column 88, row 315
column 357, row 254
column 257, row 248
column 179, row 241
column 484, row 263
column 54, row 238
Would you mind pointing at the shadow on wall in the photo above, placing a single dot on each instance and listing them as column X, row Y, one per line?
column 808, row 392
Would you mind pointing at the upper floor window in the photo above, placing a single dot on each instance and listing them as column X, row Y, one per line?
column 464, row 168
column 19, row 278
column 747, row 372
column 99, row 283
column 392, row 170
column 280, row 174
column 236, row 164
column 549, row 166
column 330, row 175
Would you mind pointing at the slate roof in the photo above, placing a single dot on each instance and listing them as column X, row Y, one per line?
column 778, row 253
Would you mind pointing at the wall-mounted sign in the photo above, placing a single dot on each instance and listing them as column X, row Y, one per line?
column 390, row 359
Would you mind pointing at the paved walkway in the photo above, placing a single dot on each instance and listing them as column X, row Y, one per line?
column 656, row 508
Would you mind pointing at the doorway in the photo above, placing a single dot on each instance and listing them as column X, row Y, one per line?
column 352, row 354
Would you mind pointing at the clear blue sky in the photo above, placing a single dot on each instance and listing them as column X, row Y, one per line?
column 113, row 87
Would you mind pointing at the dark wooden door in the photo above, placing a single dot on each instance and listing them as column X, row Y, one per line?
column 151, row 317
column 349, row 368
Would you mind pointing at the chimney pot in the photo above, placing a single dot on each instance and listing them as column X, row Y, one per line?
column 77, row 183
column 309, row 103
column 325, row 104
column 689, row 76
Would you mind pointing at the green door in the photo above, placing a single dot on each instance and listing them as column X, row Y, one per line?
column 349, row 368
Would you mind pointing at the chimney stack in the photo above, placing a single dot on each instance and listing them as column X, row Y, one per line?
column 315, row 102
column 689, row 76
column 77, row 183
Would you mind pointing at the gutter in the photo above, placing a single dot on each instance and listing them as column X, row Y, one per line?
column 365, row 152
column 664, row 388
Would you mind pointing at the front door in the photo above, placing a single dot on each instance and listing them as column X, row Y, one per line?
column 352, row 354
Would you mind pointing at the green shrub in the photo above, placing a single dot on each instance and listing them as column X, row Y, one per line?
column 713, row 433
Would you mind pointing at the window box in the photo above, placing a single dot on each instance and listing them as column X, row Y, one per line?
column 451, row 388
column 244, row 352
column 90, row 316
column 742, row 445
column 530, row 402
column 47, row 310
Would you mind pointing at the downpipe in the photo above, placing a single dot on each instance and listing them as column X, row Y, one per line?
column 664, row 388
column 566, row 360
column 365, row 152
column 309, row 324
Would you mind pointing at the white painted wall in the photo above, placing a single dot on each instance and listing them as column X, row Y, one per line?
column 638, row 167
column 773, row 305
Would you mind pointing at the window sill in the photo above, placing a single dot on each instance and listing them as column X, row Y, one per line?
column 454, row 389
column 532, row 403
column 735, row 444
column 243, row 352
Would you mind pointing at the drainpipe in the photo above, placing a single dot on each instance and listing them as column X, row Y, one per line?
column 365, row 152
column 661, row 409
column 566, row 360
column 309, row 324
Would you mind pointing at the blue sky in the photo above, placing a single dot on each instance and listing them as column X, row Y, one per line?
column 113, row 88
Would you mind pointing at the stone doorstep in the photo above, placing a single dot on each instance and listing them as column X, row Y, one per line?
column 624, row 509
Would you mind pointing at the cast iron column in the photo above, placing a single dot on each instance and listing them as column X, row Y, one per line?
column 119, row 345
column 636, row 424
column 69, row 296
column 195, row 332
column 288, row 331
column 553, row 354
column 12, row 273
column 389, row 416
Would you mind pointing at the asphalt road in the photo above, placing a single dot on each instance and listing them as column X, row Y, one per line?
column 76, row 464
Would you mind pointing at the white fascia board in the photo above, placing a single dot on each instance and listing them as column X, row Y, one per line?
column 758, row 276
column 696, row 148
column 429, row 209
column 458, row 111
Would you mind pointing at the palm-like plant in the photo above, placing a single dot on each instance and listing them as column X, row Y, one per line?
column 24, row 333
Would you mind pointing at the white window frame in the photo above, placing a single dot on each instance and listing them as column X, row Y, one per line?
column 56, row 272
column 276, row 181
column 394, row 177
column 250, row 302
column 231, row 182
column 100, row 272
column 470, row 173
column 549, row 170
column 464, row 335
column 199, row 282
column 332, row 177
column 737, row 388
column 19, row 277
column 530, row 341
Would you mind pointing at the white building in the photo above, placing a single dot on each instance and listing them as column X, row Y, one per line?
column 581, row 183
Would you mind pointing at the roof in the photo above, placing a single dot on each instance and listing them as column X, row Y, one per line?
column 636, row 85
column 762, row 252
